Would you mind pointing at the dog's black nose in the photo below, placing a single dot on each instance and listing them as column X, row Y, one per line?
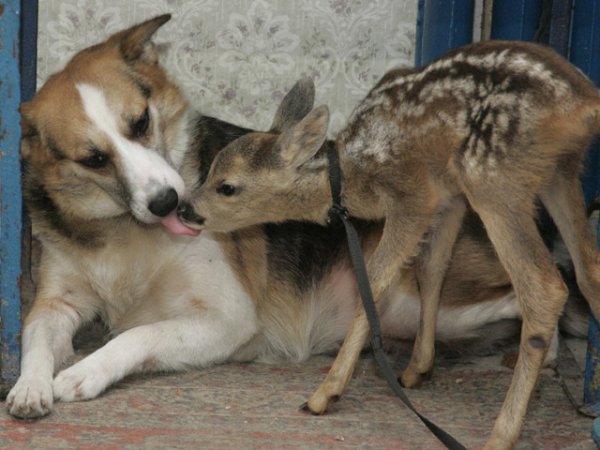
column 187, row 213
column 165, row 202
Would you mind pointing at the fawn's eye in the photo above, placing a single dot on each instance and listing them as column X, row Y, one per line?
column 139, row 127
column 96, row 161
column 227, row 190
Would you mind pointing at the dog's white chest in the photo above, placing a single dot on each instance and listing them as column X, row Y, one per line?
column 167, row 277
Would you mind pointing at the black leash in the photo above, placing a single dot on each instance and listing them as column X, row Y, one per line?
column 339, row 213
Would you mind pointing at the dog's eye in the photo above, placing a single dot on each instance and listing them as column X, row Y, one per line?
column 227, row 190
column 96, row 161
column 139, row 127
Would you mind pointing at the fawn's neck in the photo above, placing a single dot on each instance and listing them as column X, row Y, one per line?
column 357, row 189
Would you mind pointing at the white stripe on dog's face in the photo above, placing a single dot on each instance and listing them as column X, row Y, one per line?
column 146, row 172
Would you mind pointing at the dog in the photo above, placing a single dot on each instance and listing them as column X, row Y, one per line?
column 108, row 142
column 493, row 125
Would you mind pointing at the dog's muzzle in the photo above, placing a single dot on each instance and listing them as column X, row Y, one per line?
column 165, row 202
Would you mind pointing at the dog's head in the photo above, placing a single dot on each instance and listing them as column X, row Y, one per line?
column 267, row 177
column 105, row 136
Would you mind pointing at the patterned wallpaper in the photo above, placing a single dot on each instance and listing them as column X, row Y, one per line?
column 236, row 59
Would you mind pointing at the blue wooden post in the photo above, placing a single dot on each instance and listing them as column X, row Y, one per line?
column 585, row 53
column 442, row 25
column 560, row 26
column 28, row 59
column 10, row 192
column 516, row 19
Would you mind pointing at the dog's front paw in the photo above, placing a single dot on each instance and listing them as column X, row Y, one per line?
column 30, row 398
column 79, row 382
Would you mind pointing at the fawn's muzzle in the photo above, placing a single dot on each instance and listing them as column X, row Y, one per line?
column 186, row 212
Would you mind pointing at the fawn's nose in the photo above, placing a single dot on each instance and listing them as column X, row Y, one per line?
column 164, row 202
column 186, row 212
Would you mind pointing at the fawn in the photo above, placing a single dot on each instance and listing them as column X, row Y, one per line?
column 493, row 125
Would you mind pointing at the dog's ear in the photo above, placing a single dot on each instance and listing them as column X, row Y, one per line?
column 295, row 105
column 29, row 132
column 301, row 142
column 134, row 43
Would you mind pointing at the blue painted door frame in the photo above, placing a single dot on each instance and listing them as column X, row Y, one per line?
column 18, row 34
column 10, row 190
column 442, row 25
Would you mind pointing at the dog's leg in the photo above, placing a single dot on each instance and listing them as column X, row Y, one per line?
column 166, row 345
column 564, row 200
column 46, row 343
column 402, row 232
column 431, row 268
column 541, row 293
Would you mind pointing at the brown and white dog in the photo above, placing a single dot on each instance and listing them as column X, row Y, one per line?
column 109, row 146
column 495, row 125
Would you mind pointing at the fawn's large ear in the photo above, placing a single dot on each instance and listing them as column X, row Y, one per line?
column 295, row 105
column 300, row 143
column 134, row 43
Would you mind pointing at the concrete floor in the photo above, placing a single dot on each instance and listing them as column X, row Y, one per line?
column 254, row 406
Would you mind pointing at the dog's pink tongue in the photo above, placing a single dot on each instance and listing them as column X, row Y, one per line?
column 175, row 226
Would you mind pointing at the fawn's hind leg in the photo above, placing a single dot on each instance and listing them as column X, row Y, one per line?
column 402, row 232
column 541, row 293
column 564, row 200
column 431, row 268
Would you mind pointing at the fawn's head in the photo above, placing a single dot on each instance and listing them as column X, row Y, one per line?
column 266, row 177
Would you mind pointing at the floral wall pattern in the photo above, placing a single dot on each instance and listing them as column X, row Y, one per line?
column 236, row 59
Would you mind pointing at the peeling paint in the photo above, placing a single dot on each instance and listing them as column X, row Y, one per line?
column 11, row 194
column 591, row 391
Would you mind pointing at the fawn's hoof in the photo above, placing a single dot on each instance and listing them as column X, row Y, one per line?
column 411, row 379
column 318, row 402
column 496, row 443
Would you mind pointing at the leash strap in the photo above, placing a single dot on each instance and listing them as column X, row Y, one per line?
column 338, row 213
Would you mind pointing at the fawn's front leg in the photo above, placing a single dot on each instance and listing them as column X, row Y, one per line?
column 338, row 377
column 398, row 244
